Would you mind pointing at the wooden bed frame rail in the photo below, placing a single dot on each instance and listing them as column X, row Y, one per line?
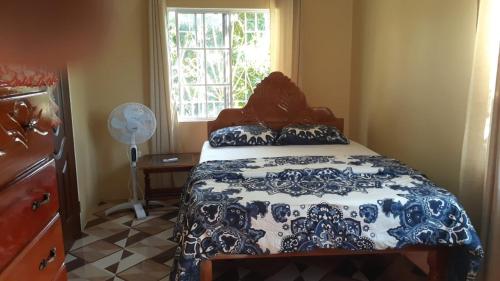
column 437, row 259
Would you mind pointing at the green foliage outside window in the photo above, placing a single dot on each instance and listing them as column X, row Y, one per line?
column 216, row 59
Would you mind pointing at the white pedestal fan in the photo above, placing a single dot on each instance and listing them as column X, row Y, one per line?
column 132, row 124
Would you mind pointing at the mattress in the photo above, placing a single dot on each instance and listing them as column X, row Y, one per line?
column 283, row 199
column 209, row 153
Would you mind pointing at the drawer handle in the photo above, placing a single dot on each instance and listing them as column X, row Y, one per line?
column 38, row 203
column 50, row 258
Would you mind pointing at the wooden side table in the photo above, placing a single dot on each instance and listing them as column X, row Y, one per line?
column 153, row 164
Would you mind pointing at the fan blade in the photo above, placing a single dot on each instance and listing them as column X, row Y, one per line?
column 132, row 123
column 132, row 111
column 117, row 123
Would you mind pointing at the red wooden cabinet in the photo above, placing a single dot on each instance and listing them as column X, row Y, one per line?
column 26, row 135
column 31, row 244
column 26, row 207
column 41, row 259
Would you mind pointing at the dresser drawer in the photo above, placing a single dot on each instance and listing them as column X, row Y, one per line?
column 26, row 132
column 42, row 259
column 26, row 207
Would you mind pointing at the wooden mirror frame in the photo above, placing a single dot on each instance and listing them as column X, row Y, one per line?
column 275, row 102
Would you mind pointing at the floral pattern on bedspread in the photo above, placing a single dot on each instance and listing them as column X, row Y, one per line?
column 289, row 204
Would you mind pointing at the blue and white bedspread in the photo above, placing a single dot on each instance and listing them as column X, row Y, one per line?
column 289, row 204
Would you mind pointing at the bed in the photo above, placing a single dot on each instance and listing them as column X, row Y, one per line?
column 314, row 200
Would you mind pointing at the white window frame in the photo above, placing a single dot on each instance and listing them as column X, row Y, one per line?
column 228, row 97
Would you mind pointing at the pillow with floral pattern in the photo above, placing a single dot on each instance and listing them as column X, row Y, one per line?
column 245, row 135
column 310, row 134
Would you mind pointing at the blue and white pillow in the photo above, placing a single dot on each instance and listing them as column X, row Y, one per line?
column 242, row 136
column 310, row 134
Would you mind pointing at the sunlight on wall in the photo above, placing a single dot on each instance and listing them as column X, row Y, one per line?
column 325, row 55
column 493, row 39
column 412, row 63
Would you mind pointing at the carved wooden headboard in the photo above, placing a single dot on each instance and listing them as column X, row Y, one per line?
column 275, row 102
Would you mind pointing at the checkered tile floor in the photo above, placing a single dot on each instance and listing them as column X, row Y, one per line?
column 121, row 248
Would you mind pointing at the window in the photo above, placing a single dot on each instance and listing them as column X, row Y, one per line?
column 216, row 58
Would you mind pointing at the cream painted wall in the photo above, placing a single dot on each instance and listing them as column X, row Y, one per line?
column 411, row 69
column 83, row 141
column 406, row 97
column 410, row 64
column 117, row 74
column 325, row 54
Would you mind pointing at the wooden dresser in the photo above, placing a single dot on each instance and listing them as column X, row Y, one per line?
column 31, row 243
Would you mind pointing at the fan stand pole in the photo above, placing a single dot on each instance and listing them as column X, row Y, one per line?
column 138, row 205
column 134, row 203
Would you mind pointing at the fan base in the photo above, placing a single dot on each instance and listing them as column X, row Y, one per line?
column 137, row 206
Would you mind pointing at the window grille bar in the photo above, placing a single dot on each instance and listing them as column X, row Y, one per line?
column 230, row 44
column 209, row 84
column 180, row 73
column 208, row 48
column 216, row 10
column 224, row 38
column 205, row 63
